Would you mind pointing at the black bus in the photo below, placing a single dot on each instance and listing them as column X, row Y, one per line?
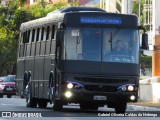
column 80, row 55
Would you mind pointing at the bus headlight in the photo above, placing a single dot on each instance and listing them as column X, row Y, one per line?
column 130, row 88
column 69, row 85
column 124, row 88
column 74, row 85
column 68, row 94
column 132, row 97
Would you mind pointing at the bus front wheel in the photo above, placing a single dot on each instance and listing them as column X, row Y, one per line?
column 57, row 105
column 120, row 107
column 42, row 103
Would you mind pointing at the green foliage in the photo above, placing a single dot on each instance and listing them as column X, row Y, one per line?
column 11, row 17
column 145, row 63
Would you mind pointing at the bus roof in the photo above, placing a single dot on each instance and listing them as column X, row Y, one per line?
column 57, row 16
column 67, row 16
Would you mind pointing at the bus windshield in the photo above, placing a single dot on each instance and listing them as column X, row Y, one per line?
column 101, row 44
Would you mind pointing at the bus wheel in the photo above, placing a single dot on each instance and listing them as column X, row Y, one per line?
column 57, row 105
column 42, row 103
column 120, row 107
column 89, row 106
column 1, row 96
column 31, row 102
column 9, row 96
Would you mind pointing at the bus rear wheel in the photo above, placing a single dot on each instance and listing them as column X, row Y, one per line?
column 57, row 105
column 42, row 103
column 31, row 102
column 9, row 96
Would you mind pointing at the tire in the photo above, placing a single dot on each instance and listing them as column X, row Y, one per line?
column 58, row 106
column 31, row 102
column 120, row 107
column 89, row 106
column 42, row 103
column 1, row 96
column 9, row 96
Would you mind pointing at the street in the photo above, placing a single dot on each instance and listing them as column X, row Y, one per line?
column 16, row 108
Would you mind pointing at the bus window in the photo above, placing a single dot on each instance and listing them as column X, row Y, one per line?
column 53, row 32
column 37, row 36
column 42, row 33
column 48, row 31
column 73, row 43
column 33, row 35
column 21, row 45
column 28, row 36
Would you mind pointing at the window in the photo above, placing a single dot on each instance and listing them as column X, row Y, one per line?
column 33, row 34
column 42, row 33
column 53, row 31
column 24, row 37
column 28, row 36
column 47, row 34
column 37, row 37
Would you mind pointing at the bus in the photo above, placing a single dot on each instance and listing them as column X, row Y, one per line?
column 70, row 56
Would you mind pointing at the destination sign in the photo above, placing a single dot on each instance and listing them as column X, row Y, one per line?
column 100, row 20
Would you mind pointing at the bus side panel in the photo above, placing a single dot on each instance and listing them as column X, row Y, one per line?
column 29, row 66
column 38, row 74
column 20, row 75
column 47, row 69
column 40, row 89
column 20, row 68
column 36, row 89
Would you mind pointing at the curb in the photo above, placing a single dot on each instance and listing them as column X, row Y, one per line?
column 142, row 108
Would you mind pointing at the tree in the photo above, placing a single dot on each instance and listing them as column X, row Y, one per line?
column 11, row 18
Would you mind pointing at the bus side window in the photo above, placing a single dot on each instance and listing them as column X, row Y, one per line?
column 37, row 34
column 28, row 45
column 42, row 33
column 53, row 32
column 47, row 32
column 52, row 45
column 33, row 35
column 48, row 40
column 33, row 42
column 21, row 45
column 42, row 43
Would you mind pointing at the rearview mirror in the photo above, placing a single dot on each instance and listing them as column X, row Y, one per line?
column 144, row 41
column 144, row 38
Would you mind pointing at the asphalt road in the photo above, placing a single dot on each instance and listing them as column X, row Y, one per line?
column 16, row 108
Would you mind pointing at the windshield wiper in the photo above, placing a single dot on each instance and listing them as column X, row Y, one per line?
column 112, row 36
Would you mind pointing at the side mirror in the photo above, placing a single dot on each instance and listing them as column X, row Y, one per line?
column 144, row 41
column 144, row 38
column 59, row 37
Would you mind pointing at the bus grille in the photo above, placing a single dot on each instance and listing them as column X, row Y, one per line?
column 101, row 80
column 100, row 88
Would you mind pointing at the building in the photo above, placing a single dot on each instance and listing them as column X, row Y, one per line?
column 80, row 2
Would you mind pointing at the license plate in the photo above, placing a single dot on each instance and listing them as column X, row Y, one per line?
column 99, row 98
column 9, row 89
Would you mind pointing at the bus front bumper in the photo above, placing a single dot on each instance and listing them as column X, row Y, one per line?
column 72, row 96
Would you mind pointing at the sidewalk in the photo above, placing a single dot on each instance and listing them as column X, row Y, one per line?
column 144, row 106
